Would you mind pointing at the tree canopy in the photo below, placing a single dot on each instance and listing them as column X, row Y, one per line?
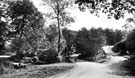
column 3, row 26
column 59, row 16
column 26, row 22
column 113, row 8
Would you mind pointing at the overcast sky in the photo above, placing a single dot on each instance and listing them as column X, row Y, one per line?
column 85, row 19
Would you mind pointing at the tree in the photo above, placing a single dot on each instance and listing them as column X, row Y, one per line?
column 60, row 16
column 88, row 43
column 130, row 42
column 26, row 22
column 120, row 47
column 129, row 25
column 3, row 28
column 52, row 36
column 113, row 8
column 118, row 35
column 109, row 33
column 69, row 36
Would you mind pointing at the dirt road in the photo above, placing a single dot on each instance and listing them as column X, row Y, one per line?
column 95, row 70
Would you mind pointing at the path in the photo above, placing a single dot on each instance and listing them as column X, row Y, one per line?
column 95, row 70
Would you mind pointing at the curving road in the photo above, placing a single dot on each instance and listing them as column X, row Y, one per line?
column 95, row 70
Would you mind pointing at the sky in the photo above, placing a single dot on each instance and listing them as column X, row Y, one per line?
column 85, row 19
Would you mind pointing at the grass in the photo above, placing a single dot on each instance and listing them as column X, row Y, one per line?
column 38, row 71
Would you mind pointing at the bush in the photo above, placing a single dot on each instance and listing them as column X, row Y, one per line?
column 88, row 42
column 49, row 56
column 130, row 65
column 120, row 47
column 113, row 36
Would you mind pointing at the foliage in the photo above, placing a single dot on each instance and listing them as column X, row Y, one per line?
column 51, row 32
column 52, row 36
column 131, row 41
column 120, row 47
column 70, row 48
column 113, row 8
column 129, row 25
column 113, row 36
column 59, row 15
column 25, row 26
column 130, row 65
column 88, row 42
column 69, row 36
column 3, row 26
column 58, row 11
column 118, row 35
column 49, row 56
column 24, row 21
column 126, row 45
column 130, row 45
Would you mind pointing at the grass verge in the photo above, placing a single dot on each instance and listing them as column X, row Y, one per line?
column 38, row 71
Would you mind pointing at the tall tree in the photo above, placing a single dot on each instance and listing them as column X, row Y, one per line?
column 59, row 15
column 25, row 19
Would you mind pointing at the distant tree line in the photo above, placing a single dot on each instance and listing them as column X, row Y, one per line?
column 89, row 42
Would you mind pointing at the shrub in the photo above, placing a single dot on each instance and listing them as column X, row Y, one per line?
column 88, row 42
column 120, row 47
column 130, row 65
column 49, row 56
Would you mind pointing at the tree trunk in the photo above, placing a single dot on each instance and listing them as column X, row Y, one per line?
column 59, row 31
column 58, row 22
column 59, row 36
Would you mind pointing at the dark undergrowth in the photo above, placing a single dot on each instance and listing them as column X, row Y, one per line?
column 129, row 65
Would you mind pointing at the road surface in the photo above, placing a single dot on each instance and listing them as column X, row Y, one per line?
column 95, row 70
